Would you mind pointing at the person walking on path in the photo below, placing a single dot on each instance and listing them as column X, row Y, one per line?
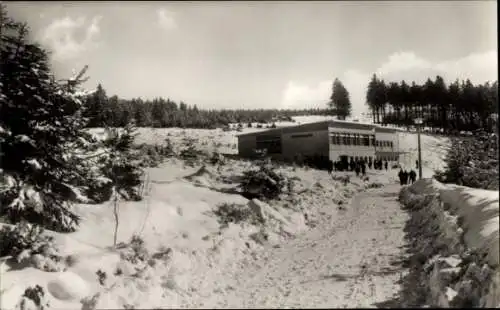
column 405, row 177
column 363, row 168
column 386, row 165
column 413, row 176
column 400, row 175
column 330, row 167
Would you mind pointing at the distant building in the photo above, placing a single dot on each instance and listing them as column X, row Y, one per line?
column 336, row 140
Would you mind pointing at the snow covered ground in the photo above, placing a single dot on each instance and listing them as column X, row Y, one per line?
column 177, row 214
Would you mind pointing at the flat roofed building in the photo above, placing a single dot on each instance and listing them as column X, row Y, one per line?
column 336, row 140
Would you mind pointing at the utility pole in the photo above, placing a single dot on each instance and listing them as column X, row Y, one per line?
column 418, row 122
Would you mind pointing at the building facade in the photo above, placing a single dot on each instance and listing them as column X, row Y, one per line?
column 337, row 140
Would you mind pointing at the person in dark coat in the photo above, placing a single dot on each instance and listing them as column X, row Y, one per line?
column 416, row 164
column 330, row 167
column 413, row 176
column 405, row 177
column 386, row 165
column 363, row 168
column 357, row 168
column 370, row 163
column 400, row 175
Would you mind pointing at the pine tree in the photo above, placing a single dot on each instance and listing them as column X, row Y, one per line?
column 340, row 101
column 122, row 166
column 371, row 96
column 96, row 105
column 42, row 130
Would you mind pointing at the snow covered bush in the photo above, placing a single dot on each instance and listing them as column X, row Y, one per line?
column 134, row 251
column 153, row 155
column 472, row 162
column 33, row 298
column 27, row 243
column 217, row 159
column 235, row 213
column 189, row 152
column 374, row 185
column 264, row 182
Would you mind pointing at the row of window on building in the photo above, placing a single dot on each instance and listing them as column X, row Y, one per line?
column 358, row 139
column 382, row 143
column 392, row 157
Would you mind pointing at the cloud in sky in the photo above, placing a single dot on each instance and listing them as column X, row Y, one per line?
column 166, row 19
column 478, row 67
column 68, row 37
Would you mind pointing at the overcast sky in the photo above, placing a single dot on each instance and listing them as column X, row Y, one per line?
column 263, row 54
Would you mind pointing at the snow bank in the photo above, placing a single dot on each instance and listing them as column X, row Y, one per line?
column 454, row 245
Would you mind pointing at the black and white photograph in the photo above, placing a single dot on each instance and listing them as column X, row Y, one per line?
column 249, row 155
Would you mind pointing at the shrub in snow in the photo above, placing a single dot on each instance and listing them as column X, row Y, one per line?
column 234, row 213
column 134, row 251
column 101, row 276
column 27, row 243
column 345, row 179
column 217, row 159
column 264, row 182
column 189, row 152
column 260, row 237
column 33, row 298
column 153, row 155
column 90, row 302
column 375, row 185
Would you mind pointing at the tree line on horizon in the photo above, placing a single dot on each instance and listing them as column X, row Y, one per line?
column 113, row 111
column 460, row 106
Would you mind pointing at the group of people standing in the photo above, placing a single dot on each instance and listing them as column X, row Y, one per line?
column 406, row 177
column 357, row 165
column 378, row 164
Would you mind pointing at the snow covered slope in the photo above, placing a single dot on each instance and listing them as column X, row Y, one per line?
column 434, row 150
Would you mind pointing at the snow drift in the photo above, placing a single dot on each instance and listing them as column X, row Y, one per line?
column 454, row 243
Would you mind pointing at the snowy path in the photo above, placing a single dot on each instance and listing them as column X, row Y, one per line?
column 349, row 262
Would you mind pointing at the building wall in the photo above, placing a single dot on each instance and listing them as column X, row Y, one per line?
column 387, row 151
column 246, row 146
column 316, row 139
column 307, row 143
column 337, row 150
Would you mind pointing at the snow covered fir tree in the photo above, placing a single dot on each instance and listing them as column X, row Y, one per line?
column 48, row 159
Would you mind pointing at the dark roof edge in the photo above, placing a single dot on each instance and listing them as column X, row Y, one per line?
column 315, row 124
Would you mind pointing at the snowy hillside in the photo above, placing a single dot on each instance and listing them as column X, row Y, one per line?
column 434, row 150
